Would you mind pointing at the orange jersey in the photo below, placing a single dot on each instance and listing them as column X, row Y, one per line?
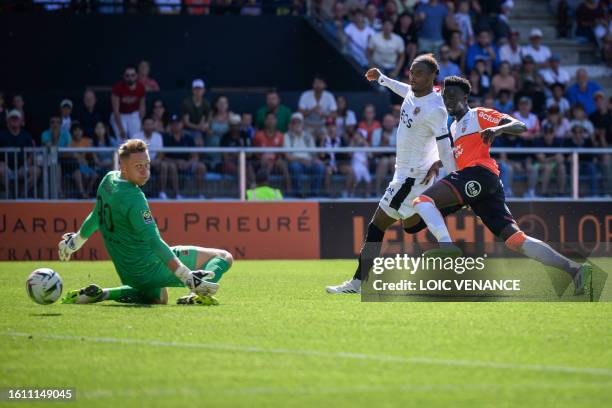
column 469, row 148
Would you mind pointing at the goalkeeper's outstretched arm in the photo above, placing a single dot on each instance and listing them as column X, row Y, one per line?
column 72, row 242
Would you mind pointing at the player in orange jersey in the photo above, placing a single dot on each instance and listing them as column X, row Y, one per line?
column 476, row 183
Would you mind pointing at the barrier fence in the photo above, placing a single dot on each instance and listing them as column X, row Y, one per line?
column 227, row 172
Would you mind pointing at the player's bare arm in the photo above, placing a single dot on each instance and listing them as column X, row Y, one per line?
column 507, row 125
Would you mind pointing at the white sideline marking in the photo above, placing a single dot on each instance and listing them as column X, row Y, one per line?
column 327, row 354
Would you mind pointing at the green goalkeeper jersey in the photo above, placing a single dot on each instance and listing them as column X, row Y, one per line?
column 131, row 237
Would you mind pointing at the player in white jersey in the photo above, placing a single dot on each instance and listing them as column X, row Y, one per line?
column 422, row 139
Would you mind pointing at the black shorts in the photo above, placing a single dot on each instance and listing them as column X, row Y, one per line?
column 483, row 191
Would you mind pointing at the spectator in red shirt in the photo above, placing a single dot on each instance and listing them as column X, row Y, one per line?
column 144, row 68
column 128, row 105
column 270, row 136
column 369, row 123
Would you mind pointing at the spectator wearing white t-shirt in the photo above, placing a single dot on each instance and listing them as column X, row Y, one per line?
column 555, row 73
column 512, row 51
column 358, row 34
column 316, row 105
column 155, row 142
column 539, row 52
column 386, row 50
column 530, row 120
column 346, row 120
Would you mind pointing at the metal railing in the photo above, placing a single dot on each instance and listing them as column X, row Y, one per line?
column 37, row 176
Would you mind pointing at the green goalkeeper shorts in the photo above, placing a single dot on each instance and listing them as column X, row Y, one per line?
column 165, row 278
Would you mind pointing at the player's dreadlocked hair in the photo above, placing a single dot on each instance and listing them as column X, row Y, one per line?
column 462, row 83
column 131, row 146
column 430, row 61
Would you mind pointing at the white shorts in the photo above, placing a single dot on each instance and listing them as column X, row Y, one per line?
column 396, row 202
column 361, row 173
column 130, row 122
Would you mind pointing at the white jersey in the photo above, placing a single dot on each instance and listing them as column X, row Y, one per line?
column 422, row 120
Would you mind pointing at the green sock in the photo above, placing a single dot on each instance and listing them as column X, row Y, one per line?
column 124, row 294
column 217, row 265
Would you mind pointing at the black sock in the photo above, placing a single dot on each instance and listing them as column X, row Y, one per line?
column 370, row 250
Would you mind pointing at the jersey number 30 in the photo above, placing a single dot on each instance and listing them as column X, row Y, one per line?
column 105, row 215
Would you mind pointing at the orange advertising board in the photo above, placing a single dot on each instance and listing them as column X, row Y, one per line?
column 290, row 230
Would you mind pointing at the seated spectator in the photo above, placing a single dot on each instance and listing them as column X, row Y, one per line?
column 84, row 176
column 144, row 69
column 344, row 116
column 555, row 73
column 251, row 8
column 219, row 125
column 187, row 163
column 525, row 115
column 535, row 92
column 103, row 160
column 335, row 163
column 15, row 168
column 488, row 102
column 19, row 106
column 195, row 111
column 371, row 17
column 580, row 140
column 262, row 190
column 159, row 116
column 2, row 112
column 269, row 136
column 316, row 105
column 457, row 50
column 360, row 163
column 477, row 93
column 509, row 163
column 66, row 114
column 235, row 137
column 386, row 51
column 247, row 128
column 385, row 162
column 405, row 27
column 90, row 115
column 547, row 163
column 56, row 137
column 464, row 22
column 447, row 67
column 432, row 18
column 587, row 15
column 557, row 99
column 273, row 104
column 482, row 49
column 369, row 123
column 339, row 21
column 512, row 52
column 300, row 163
column 504, row 80
column 557, row 122
column 358, row 34
column 579, row 117
column 484, row 74
column 390, row 11
column 540, row 53
column 155, row 143
column 128, row 103
column 503, row 103
column 602, row 121
column 582, row 91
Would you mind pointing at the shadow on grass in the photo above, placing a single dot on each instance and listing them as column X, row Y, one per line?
column 45, row 314
column 129, row 305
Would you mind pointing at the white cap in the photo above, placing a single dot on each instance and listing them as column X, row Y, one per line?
column 197, row 83
column 66, row 102
column 535, row 32
column 14, row 113
column 297, row 115
column 234, row 119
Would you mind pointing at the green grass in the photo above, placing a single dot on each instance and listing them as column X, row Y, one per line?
column 278, row 340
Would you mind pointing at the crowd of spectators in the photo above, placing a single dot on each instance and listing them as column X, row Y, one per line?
column 520, row 77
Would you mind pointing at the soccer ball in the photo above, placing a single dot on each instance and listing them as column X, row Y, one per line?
column 44, row 286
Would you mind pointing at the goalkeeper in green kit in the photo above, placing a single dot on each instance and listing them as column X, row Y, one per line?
column 146, row 265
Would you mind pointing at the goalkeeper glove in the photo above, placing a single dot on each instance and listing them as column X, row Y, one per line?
column 197, row 281
column 70, row 243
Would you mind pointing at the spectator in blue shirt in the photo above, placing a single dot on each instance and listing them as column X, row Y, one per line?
column 432, row 17
column 503, row 103
column 482, row 49
column 582, row 92
column 447, row 68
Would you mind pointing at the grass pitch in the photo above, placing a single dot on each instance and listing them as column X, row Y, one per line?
column 278, row 339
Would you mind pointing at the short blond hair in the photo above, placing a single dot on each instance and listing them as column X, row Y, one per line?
column 131, row 146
